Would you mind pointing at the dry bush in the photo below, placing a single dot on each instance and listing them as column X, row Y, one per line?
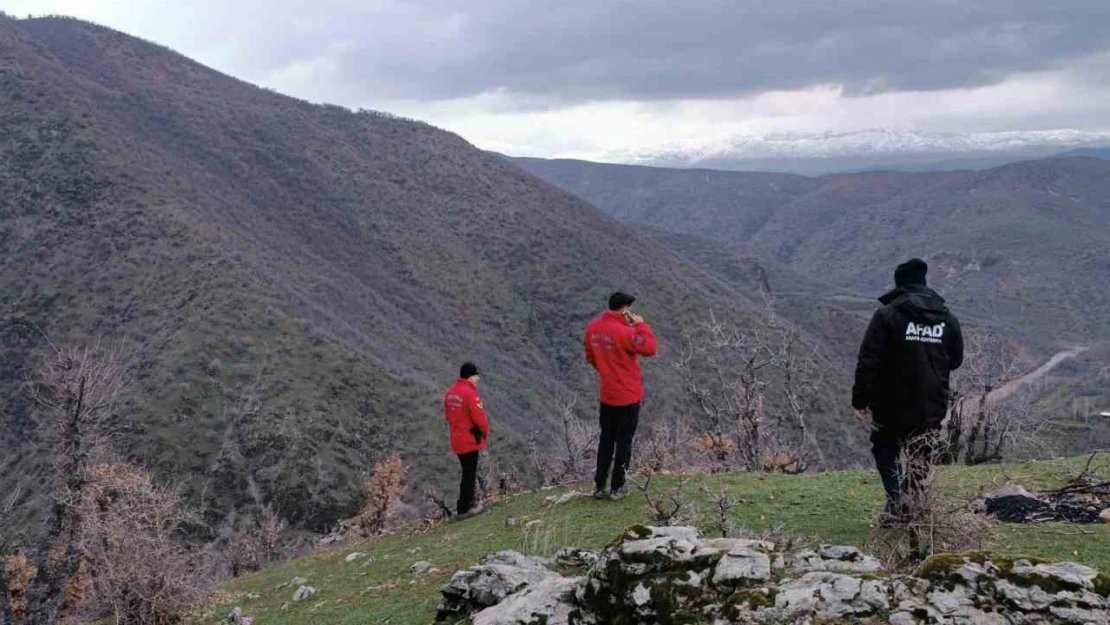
column 257, row 542
column 665, row 447
column 721, row 504
column 928, row 522
column 572, row 456
column 131, row 536
column 384, row 491
column 668, row 506
column 754, row 389
column 985, row 420
column 494, row 483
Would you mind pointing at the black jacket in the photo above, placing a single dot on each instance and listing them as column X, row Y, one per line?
column 911, row 346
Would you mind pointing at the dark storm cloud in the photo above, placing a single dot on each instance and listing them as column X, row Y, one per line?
column 573, row 50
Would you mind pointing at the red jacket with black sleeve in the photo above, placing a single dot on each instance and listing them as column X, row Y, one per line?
column 612, row 347
column 466, row 417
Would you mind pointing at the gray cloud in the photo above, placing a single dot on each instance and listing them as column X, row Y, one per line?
column 581, row 50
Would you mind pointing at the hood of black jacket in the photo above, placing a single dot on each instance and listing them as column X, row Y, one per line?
column 916, row 303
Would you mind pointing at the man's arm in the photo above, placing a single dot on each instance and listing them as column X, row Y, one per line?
column 870, row 362
column 588, row 344
column 478, row 417
column 643, row 342
column 955, row 337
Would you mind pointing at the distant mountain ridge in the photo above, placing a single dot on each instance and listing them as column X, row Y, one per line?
column 1022, row 245
column 880, row 148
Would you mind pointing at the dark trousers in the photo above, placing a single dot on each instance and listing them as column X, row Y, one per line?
column 888, row 449
column 618, row 427
column 469, row 464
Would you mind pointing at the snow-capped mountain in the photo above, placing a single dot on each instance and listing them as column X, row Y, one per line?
column 865, row 149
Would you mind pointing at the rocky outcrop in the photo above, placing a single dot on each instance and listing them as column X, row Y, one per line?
column 672, row 575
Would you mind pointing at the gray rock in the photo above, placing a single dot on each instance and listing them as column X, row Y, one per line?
column 831, row 595
column 902, row 618
column 741, row 565
column 304, row 592
column 576, row 558
column 351, row 557
column 1028, row 598
column 296, row 581
column 548, row 602
column 489, row 583
column 419, row 568
column 835, row 559
column 1068, row 573
column 236, row 618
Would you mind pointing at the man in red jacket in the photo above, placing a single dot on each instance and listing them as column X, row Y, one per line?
column 613, row 341
column 469, row 428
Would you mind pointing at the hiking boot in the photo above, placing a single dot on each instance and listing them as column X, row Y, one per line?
column 618, row 493
column 600, row 494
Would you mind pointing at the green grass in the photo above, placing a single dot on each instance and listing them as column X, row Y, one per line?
column 831, row 507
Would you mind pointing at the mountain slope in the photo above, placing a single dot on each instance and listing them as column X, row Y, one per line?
column 1025, row 246
column 294, row 284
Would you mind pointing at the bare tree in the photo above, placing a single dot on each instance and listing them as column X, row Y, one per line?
column 75, row 390
column 724, row 370
column 986, row 413
column 570, row 459
column 755, row 389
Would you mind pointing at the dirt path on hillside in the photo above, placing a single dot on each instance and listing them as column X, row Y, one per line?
column 1006, row 390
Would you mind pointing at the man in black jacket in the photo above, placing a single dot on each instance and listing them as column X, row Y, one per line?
column 901, row 389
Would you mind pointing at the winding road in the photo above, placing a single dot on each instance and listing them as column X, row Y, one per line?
column 1008, row 389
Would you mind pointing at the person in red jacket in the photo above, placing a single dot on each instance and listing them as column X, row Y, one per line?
column 469, row 428
column 613, row 342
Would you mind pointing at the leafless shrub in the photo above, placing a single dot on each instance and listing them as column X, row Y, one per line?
column 721, row 504
column 384, row 491
column 663, row 447
column 571, row 458
column 927, row 522
column 257, row 542
column 667, row 506
column 988, row 416
column 494, row 482
column 754, row 389
column 438, row 500
column 130, row 536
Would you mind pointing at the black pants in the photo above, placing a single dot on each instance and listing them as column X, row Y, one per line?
column 887, row 449
column 618, row 426
column 469, row 464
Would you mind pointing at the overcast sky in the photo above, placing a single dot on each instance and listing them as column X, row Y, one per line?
column 585, row 77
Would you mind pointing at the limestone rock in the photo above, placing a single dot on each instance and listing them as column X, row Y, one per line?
column 742, row 565
column 547, row 602
column 304, row 592
column 576, row 558
column 351, row 557
column 835, row 559
column 419, row 568
column 236, row 618
column 489, row 583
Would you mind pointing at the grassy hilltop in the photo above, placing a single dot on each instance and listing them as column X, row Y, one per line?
column 830, row 507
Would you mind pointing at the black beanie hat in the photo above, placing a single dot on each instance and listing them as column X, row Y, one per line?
column 911, row 273
column 468, row 370
column 619, row 300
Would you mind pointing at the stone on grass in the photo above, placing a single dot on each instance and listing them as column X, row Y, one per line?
column 304, row 592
